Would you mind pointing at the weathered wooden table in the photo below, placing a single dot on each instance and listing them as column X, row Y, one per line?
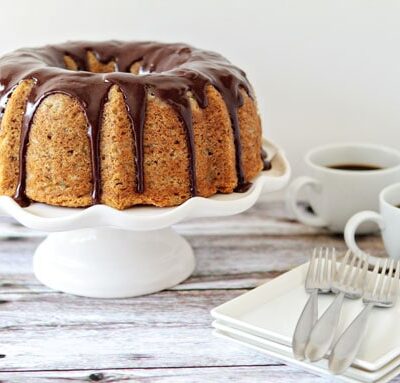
column 166, row 337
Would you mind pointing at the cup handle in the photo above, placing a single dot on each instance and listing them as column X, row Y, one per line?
column 292, row 197
column 352, row 225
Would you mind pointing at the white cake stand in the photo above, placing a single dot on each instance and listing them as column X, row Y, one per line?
column 106, row 253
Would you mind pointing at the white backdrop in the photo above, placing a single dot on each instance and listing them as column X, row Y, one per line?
column 323, row 70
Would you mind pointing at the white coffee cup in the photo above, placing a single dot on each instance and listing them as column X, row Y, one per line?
column 388, row 221
column 335, row 195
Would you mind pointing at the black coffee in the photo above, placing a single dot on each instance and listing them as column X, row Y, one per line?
column 355, row 167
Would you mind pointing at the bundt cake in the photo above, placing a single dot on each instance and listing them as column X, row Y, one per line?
column 124, row 123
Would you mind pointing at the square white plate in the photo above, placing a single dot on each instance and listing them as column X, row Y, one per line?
column 321, row 367
column 271, row 311
column 313, row 368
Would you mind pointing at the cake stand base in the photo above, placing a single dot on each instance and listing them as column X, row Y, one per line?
column 113, row 263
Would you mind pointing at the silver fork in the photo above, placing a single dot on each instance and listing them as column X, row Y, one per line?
column 348, row 282
column 380, row 290
column 318, row 280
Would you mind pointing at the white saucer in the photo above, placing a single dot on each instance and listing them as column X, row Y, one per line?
column 271, row 312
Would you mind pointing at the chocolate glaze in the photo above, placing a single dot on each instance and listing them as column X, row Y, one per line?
column 170, row 71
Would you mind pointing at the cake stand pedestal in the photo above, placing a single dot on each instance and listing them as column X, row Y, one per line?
column 106, row 253
column 112, row 263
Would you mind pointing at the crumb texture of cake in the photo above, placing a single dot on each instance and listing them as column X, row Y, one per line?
column 124, row 124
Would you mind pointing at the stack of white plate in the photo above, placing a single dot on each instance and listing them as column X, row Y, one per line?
column 265, row 318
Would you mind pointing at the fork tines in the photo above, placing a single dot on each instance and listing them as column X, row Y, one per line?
column 383, row 283
column 321, row 271
column 351, row 272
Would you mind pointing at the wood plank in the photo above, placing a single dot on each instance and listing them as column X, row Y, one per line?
column 167, row 308
column 169, row 329
column 254, row 374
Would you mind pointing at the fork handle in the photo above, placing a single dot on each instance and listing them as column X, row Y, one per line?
column 322, row 334
column 347, row 346
column 304, row 325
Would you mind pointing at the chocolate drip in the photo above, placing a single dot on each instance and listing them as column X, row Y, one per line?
column 4, row 100
column 185, row 112
column 20, row 196
column 173, row 72
column 135, row 101
column 242, row 185
column 93, row 110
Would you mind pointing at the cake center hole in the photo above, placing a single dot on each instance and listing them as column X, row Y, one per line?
column 93, row 64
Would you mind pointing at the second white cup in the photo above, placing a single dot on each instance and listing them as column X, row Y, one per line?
column 388, row 220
